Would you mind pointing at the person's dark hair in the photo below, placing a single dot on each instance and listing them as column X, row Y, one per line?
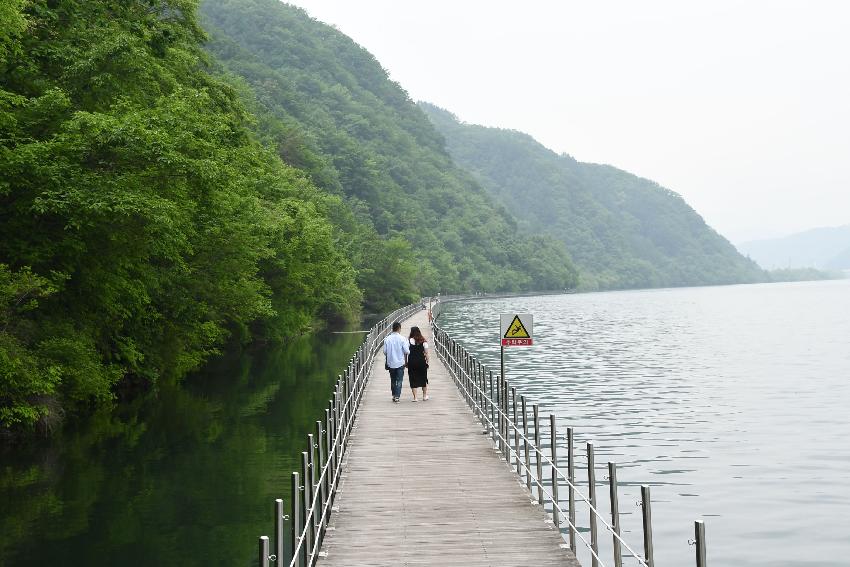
column 396, row 326
column 416, row 335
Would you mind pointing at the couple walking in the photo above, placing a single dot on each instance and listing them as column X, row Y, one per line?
column 410, row 353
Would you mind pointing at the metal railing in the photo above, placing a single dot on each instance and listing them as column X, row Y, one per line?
column 505, row 417
column 314, row 488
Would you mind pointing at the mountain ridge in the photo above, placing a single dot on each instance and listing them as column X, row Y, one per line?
column 623, row 231
column 821, row 247
column 331, row 109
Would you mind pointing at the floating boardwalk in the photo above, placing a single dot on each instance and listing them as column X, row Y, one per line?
column 461, row 479
column 421, row 485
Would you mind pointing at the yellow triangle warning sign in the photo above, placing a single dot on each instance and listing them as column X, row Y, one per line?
column 516, row 330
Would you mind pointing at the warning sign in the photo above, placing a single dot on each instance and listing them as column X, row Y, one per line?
column 516, row 329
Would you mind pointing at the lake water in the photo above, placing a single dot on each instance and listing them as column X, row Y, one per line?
column 184, row 477
column 732, row 402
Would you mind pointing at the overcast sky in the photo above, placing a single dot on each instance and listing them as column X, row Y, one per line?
column 741, row 107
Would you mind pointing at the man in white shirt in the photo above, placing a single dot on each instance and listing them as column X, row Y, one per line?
column 396, row 350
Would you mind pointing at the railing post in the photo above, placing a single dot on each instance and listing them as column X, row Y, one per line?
column 699, row 536
column 329, row 426
column 455, row 352
column 482, row 402
column 464, row 372
column 470, row 378
column 646, row 504
column 538, row 453
column 453, row 364
column 308, row 498
column 571, row 474
column 473, row 390
column 464, row 364
column 475, row 379
column 337, row 436
column 553, row 439
column 296, row 518
column 497, row 398
column 479, row 381
column 492, row 409
column 469, row 394
column 482, row 395
column 506, row 445
column 278, row 531
column 516, row 434
column 320, row 484
column 355, row 377
column 314, row 492
column 615, row 513
column 479, row 392
column 525, row 444
column 456, row 358
column 356, row 384
column 349, row 395
column 343, row 411
column 264, row 551
column 591, row 487
column 467, row 376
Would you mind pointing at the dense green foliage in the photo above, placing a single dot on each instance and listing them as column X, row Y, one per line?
column 140, row 222
column 328, row 107
column 622, row 231
column 155, row 202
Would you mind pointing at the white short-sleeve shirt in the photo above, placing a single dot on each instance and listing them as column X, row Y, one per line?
column 395, row 347
column 413, row 342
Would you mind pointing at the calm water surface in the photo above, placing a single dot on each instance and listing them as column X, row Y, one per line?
column 186, row 477
column 733, row 403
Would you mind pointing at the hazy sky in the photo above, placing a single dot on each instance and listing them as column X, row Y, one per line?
column 741, row 107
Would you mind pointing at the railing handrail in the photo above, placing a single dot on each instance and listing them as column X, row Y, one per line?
column 309, row 517
column 538, row 452
column 502, row 426
column 353, row 397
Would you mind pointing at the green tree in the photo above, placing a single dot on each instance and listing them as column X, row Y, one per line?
column 148, row 220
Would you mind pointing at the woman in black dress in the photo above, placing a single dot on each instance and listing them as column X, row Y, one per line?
column 417, row 363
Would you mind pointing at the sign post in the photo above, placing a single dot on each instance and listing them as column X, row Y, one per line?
column 515, row 329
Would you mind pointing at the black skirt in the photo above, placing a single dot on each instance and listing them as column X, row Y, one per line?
column 417, row 368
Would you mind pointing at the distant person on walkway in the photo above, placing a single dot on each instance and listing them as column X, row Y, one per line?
column 417, row 363
column 396, row 349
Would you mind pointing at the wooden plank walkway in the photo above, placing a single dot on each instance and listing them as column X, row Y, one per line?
column 423, row 486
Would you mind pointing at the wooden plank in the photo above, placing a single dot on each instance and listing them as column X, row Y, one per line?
column 422, row 486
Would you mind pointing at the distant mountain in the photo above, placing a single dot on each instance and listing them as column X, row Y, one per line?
column 840, row 261
column 824, row 248
column 621, row 230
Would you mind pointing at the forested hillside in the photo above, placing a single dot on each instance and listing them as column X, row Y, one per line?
column 328, row 107
column 141, row 223
column 621, row 230
column 154, row 206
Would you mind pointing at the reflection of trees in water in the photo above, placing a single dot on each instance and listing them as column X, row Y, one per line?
column 183, row 476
